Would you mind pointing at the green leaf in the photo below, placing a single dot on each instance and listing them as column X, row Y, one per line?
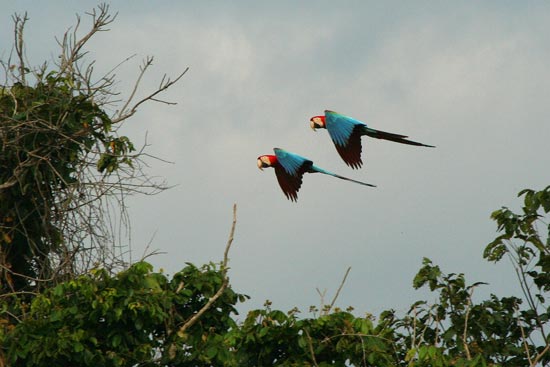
column 211, row 352
column 263, row 332
column 116, row 340
column 78, row 347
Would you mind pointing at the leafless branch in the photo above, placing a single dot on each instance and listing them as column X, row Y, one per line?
column 339, row 289
column 148, row 253
column 225, row 281
column 311, row 351
column 72, row 46
column 322, row 297
column 146, row 64
column 540, row 355
column 524, row 339
column 9, row 183
column 521, row 270
column 19, row 44
column 7, row 269
column 164, row 85
column 465, row 332
column 4, row 295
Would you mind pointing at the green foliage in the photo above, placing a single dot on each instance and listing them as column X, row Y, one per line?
column 53, row 130
column 525, row 240
column 507, row 331
column 523, row 227
column 123, row 320
column 48, row 132
column 457, row 331
column 274, row 338
column 135, row 317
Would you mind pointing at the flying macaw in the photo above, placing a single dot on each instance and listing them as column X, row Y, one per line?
column 290, row 168
column 346, row 133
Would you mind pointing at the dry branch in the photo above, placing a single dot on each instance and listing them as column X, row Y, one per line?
column 19, row 44
column 339, row 288
column 165, row 83
column 225, row 281
column 325, row 309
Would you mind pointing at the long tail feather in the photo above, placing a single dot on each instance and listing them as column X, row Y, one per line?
column 378, row 134
column 349, row 179
column 320, row 170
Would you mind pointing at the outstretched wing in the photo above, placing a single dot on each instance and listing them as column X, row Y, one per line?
column 340, row 127
column 351, row 153
column 290, row 172
column 289, row 184
column 292, row 163
column 345, row 133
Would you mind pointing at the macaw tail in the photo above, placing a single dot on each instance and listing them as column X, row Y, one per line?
column 349, row 179
column 320, row 170
column 392, row 137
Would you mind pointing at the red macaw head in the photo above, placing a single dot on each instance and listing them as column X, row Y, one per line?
column 266, row 161
column 317, row 122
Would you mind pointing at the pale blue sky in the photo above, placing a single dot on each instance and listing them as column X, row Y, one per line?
column 469, row 77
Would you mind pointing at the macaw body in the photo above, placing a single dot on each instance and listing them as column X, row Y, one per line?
column 346, row 133
column 290, row 169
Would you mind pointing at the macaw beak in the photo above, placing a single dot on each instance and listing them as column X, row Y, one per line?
column 260, row 164
column 312, row 125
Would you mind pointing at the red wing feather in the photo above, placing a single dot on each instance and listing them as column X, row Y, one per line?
column 289, row 184
column 351, row 152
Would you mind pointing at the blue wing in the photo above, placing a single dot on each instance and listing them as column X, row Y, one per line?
column 340, row 127
column 293, row 164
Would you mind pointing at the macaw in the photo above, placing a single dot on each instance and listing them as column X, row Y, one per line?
column 290, row 168
column 346, row 133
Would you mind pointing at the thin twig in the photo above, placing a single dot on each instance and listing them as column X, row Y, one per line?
column 225, row 282
column 526, row 289
column 525, row 345
column 100, row 20
column 19, row 44
column 311, row 351
column 339, row 289
column 8, row 270
column 540, row 355
column 17, row 293
column 148, row 62
column 229, row 241
column 465, row 333
column 9, row 183
column 164, row 85
column 322, row 297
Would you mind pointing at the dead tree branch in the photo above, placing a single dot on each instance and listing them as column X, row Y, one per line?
column 339, row 288
column 72, row 46
column 19, row 44
column 165, row 83
column 225, row 281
